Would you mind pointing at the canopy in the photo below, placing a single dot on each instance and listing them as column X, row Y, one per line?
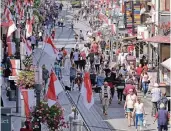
column 167, row 64
column 159, row 39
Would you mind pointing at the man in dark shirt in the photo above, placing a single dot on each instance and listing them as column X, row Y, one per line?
column 7, row 73
column 103, row 45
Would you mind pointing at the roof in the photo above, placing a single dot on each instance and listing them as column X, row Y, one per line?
column 159, row 39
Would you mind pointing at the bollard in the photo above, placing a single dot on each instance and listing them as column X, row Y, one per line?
column 77, row 125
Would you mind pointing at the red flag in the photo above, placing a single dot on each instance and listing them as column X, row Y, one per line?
column 29, row 101
column 87, row 92
column 15, row 63
column 49, row 47
column 51, row 93
column 7, row 13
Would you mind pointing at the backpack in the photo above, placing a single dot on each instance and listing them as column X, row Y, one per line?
column 161, row 101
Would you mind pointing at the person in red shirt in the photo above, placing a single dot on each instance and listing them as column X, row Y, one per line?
column 128, row 86
column 94, row 47
column 139, row 70
column 27, row 127
column 145, row 67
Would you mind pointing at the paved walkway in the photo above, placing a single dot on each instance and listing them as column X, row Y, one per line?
column 115, row 119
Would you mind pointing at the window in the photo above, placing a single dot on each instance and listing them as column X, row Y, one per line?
column 167, row 5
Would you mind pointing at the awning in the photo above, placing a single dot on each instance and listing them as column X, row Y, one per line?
column 128, row 38
column 167, row 64
column 159, row 39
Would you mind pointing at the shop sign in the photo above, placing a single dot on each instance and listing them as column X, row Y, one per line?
column 5, row 119
column 142, row 32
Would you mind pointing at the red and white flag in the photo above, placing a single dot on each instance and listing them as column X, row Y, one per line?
column 10, row 3
column 28, row 2
column 18, row 7
column 12, row 28
column 7, row 14
column 22, row 13
column 50, row 48
column 29, row 101
column 113, row 28
column 86, row 91
column 15, row 63
column 29, row 28
column 27, row 45
column 54, row 89
column 11, row 48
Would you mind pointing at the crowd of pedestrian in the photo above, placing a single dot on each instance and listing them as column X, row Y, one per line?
column 127, row 81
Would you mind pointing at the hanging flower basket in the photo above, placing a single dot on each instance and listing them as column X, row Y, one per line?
column 50, row 116
column 26, row 79
column 28, row 62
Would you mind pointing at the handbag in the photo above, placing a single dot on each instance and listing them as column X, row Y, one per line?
column 148, row 81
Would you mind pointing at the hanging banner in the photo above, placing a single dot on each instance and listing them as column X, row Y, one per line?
column 113, row 28
column 103, row 18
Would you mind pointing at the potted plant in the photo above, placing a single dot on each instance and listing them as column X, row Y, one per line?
column 51, row 116
column 26, row 79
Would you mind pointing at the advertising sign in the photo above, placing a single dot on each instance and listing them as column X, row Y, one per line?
column 5, row 119
column 142, row 32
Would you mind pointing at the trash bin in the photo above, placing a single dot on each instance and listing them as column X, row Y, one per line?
column 12, row 95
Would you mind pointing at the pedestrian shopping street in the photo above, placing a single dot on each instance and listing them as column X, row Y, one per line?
column 85, row 65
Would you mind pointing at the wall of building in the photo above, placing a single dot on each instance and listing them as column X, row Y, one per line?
column 164, row 52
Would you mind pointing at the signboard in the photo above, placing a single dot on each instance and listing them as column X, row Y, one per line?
column 13, row 78
column 6, row 120
column 142, row 32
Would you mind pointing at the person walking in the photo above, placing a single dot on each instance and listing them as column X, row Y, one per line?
column 27, row 126
column 58, row 71
column 120, row 87
column 7, row 72
column 139, row 113
column 103, row 45
column 163, row 117
column 72, row 55
column 105, row 97
column 123, row 71
column 33, row 41
column 131, row 99
column 73, row 73
column 139, row 70
column 91, row 58
column 107, row 70
column 59, row 57
column 145, row 82
column 82, row 61
column 97, row 62
column 110, row 84
column 45, row 76
column 94, row 47
column 156, row 95
column 76, row 58
column 81, row 36
column 100, row 80
column 163, row 99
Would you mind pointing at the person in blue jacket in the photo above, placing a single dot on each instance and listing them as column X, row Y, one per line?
column 100, row 80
